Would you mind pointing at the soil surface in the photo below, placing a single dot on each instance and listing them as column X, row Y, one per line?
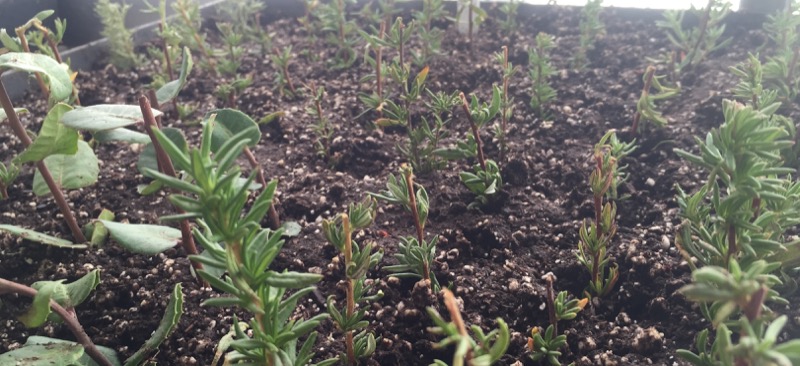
column 494, row 260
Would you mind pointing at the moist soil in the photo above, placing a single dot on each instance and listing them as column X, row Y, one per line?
column 494, row 260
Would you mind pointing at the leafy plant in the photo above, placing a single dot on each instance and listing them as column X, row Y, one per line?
column 357, row 262
column 780, row 70
column 430, row 37
column 236, row 244
column 231, row 54
column 339, row 31
column 509, row 22
column 507, row 105
column 596, row 235
column 283, row 79
column 540, row 71
column 646, row 106
column 697, row 43
column 245, row 16
column 415, row 254
column 470, row 15
column 560, row 307
column 479, row 349
column 323, row 127
column 8, row 174
column 374, row 101
column 616, row 150
column 187, row 27
column 486, row 180
column 591, row 28
column 120, row 39
column 228, row 91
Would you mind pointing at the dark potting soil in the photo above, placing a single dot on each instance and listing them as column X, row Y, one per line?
column 493, row 260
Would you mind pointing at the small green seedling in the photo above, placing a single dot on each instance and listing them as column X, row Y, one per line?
column 616, row 150
column 540, row 71
column 696, row 44
column 323, row 127
column 479, row 349
column 547, row 346
column 283, row 79
column 591, row 28
column 509, row 23
column 120, row 39
column 357, row 262
column 646, row 107
column 415, row 254
column 8, row 174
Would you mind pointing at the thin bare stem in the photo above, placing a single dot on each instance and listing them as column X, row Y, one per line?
column 551, row 302
column 455, row 317
column 187, row 240
column 475, row 134
column 25, row 47
column 703, row 26
column 412, row 201
column 19, row 130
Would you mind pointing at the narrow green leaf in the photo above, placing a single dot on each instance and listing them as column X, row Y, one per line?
column 39, row 237
column 168, row 322
column 170, row 90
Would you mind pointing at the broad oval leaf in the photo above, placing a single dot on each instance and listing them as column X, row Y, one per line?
column 54, row 354
column 69, row 171
column 56, row 74
column 104, row 117
column 54, row 137
column 229, row 122
column 143, row 238
column 110, row 354
column 38, row 237
column 121, row 134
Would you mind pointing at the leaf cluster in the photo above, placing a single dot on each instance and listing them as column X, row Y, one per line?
column 698, row 42
column 591, row 27
column 540, row 71
column 120, row 39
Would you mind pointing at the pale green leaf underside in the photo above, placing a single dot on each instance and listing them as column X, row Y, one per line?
column 56, row 74
column 39, row 237
column 104, row 117
column 69, row 171
column 142, row 238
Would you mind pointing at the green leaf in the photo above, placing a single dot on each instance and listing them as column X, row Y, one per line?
column 121, row 134
column 55, row 354
column 170, row 90
column 40, row 308
column 142, row 238
column 291, row 229
column 39, row 237
column 18, row 111
column 148, row 159
column 100, row 232
column 79, row 290
column 56, row 74
column 168, row 322
column 110, row 354
column 229, row 122
column 104, row 117
column 54, row 138
column 69, row 171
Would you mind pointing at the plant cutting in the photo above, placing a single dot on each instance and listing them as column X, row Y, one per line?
column 697, row 43
column 483, row 349
column 596, row 235
column 540, row 71
column 507, row 105
column 415, row 254
column 283, row 79
column 120, row 39
column 646, row 107
column 546, row 346
column 240, row 250
column 323, row 128
column 591, row 28
column 357, row 262
column 338, row 29
column 429, row 36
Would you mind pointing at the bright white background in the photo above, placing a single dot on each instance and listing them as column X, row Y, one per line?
column 654, row 4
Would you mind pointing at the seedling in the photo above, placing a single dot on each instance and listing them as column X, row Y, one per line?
column 646, row 106
column 323, row 127
column 414, row 255
column 283, row 79
column 188, row 27
column 357, row 262
column 615, row 150
column 540, row 71
column 120, row 39
column 696, row 44
column 375, row 100
column 237, row 246
column 229, row 91
column 333, row 19
column 8, row 174
column 245, row 16
column 591, row 28
column 430, row 36
column 483, row 349
column 595, row 236
column 486, row 181
column 547, row 346
column 475, row 16
column 231, row 55
column 509, row 22
column 507, row 105
column 780, row 70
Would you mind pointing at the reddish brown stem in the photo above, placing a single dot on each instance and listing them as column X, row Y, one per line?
column 69, row 318
column 475, row 134
column 503, row 117
column 187, row 240
column 351, row 303
column 285, row 69
column 551, row 303
column 648, row 83
column 19, row 130
column 165, row 50
column 272, row 214
column 412, row 201
column 455, row 317
column 703, row 26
